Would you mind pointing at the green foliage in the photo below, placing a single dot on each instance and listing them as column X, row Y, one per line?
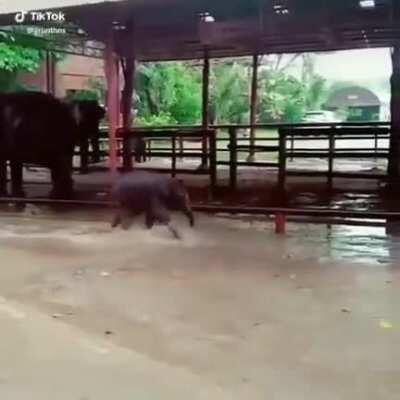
column 230, row 93
column 316, row 92
column 83, row 95
column 171, row 92
column 97, row 86
column 285, row 98
column 15, row 58
column 161, row 119
column 171, row 89
column 282, row 97
column 19, row 53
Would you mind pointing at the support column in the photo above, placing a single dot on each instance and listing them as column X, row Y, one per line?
column 394, row 151
column 129, row 68
column 50, row 73
column 253, row 107
column 205, row 106
column 112, row 77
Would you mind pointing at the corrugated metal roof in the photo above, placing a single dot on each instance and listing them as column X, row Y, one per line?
column 171, row 29
column 7, row 6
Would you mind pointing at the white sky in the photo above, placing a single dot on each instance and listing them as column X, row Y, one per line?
column 355, row 65
column 370, row 68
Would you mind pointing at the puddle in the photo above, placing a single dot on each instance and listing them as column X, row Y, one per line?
column 350, row 243
column 367, row 245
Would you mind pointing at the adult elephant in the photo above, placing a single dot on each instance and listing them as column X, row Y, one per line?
column 88, row 114
column 39, row 129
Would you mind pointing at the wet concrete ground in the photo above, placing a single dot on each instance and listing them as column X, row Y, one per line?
column 256, row 187
column 232, row 311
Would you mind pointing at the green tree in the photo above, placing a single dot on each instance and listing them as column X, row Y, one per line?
column 282, row 98
column 316, row 92
column 169, row 90
column 230, row 92
column 19, row 53
column 15, row 59
column 83, row 94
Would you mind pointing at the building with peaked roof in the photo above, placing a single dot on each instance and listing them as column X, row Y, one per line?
column 359, row 104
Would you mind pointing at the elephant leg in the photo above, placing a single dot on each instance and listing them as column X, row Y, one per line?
column 17, row 179
column 122, row 217
column 144, row 151
column 84, row 150
column 189, row 214
column 3, row 177
column 126, row 219
column 138, row 157
column 158, row 212
column 95, row 148
column 61, row 175
column 149, row 219
column 174, row 231
column 117, row 220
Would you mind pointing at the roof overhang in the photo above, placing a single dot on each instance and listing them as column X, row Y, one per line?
column 174, row 29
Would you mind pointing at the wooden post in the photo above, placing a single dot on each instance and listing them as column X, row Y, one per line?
column 205, row 107
column 331, row 157
column 291, row 146
column 173, row 160
column 50, row 73
column 112, row 76
column 213, row 160
column 394, row 150
column 3, row 177
column 282, row 159
column 181, row 145
column 129, row 70
column 149, row 148
column 280, row 224
column 233, row 157
column 253, row 108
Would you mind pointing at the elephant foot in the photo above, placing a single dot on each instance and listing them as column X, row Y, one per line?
column 174, row 232
column 18, row 193
column 61, row 194
column 126, row 224
column 116, row 221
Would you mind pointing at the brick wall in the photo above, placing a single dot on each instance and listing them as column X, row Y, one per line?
column 73, row 73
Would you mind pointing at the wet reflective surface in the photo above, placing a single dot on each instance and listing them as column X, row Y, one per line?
column 233, row 309
column 356, row 244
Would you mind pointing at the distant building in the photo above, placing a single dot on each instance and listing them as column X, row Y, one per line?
column 358, row 104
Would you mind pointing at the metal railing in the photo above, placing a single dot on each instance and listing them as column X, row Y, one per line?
column 282, row 146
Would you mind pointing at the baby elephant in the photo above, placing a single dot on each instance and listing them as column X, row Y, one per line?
column 152, row 194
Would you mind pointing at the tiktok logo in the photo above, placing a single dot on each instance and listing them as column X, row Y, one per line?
column 20, row 17
column 39, row 16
